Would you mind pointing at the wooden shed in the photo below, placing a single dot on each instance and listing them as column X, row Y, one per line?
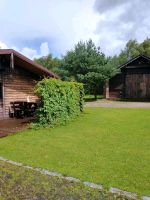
column 18, row 76
column 133, row 81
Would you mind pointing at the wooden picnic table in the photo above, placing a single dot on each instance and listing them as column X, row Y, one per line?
column 22, row 109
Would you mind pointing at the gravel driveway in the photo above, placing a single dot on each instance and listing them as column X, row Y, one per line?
column 117, row 104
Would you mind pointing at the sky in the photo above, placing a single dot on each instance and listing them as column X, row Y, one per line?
column 36, row 28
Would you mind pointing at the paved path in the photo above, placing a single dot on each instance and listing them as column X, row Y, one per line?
column 118, row 104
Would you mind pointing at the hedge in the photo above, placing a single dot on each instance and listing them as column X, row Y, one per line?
column 60, row 101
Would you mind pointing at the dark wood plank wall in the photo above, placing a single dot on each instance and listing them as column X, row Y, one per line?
column 116, row 87
column 1, row 101
column 133, row 83
column 137, row 86
column 1, row 110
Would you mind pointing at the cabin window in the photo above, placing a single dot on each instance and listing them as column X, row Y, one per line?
column 1, row 91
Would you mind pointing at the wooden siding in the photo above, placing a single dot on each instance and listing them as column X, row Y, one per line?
column 1, row 100
column 137, row 86
column 133, row 82
column 116, row 87
column 1, row 110
column 18, row 77
column 18, row 86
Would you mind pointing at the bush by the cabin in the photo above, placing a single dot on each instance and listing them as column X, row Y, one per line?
column 60, row 101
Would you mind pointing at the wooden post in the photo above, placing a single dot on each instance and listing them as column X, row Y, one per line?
column 107, row 89
column 12, row 61
column 3, row 89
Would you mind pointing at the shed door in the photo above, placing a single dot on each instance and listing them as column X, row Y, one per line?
column 137, row 86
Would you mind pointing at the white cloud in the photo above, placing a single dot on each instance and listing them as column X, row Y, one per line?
column 39, row 27
column 29, row 52
column 3, row 45
column 44, row 49
column 122, row 20
column 33, row 53
column 61, row 22
column 85, row 22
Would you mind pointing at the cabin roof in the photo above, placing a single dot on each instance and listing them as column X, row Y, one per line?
column 133, row 59
column 27, row 63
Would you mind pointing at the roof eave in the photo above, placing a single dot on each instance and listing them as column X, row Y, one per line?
column 140, row 55
column 42, row 69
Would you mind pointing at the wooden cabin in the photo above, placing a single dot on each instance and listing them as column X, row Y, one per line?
column 18, row 76
column 133, row 81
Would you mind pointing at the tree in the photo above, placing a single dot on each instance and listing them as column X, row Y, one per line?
column 87, row 64
column 49, row 62
column 145, row 47
column 133, row 49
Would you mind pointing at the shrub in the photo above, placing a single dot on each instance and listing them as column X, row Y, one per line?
column 60, row 101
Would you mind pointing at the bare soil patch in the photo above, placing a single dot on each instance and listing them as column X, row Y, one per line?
column 11, row 126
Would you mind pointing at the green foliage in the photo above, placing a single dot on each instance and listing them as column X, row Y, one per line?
column 145, row 47
column 87, row 64
column 133, row 49
column 49, row 62
column 60, row 101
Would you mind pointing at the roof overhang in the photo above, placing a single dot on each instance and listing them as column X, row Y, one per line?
column 133, row 59
column 28, row 64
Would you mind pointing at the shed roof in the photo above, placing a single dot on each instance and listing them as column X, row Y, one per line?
column 28, row 64
column 133, row 59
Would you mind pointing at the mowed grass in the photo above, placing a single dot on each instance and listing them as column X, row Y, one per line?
column 90, row 98
column 108, row 146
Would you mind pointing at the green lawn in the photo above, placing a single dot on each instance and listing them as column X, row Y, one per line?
column 89, row 97
column 105, row 145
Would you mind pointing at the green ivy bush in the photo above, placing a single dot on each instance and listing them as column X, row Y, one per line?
column 60, row 101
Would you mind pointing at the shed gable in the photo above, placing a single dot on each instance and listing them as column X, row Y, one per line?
column 139, row 61
column 133, row 82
